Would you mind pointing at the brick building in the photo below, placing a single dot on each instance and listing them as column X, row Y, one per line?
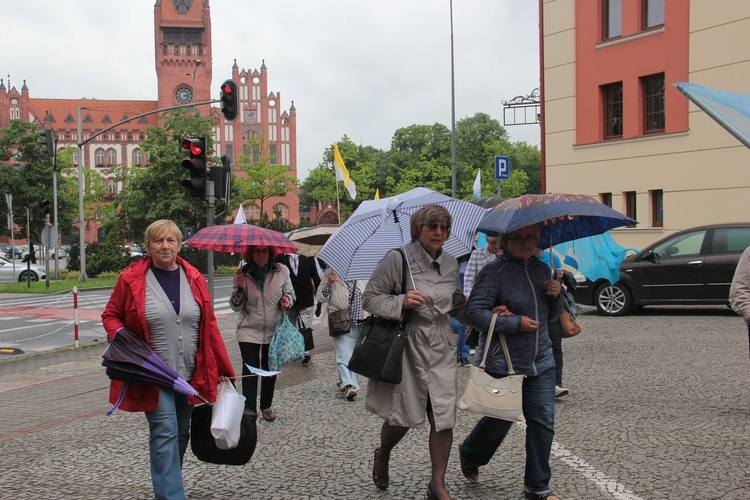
column 183, row 60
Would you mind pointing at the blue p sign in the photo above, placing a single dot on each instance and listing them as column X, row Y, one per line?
column 502, row 168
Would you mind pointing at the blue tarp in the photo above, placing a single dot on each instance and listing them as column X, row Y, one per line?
column 730, row 109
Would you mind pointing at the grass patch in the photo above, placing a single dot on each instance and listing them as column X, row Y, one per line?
column 56, row 286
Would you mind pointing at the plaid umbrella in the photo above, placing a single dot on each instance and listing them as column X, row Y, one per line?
column 561, row 217
column 235, row 237
column 129, row 359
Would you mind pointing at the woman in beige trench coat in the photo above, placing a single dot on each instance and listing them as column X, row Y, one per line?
column 428, row 386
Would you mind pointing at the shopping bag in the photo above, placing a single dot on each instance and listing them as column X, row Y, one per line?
column 286, row 346
column 226, row 417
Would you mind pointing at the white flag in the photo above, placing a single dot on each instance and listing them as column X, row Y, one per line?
column 477, row 189
column 240, row 219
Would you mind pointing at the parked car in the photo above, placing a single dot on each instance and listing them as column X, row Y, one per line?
column 691, row 267
column 36, row 271
column 9, row 250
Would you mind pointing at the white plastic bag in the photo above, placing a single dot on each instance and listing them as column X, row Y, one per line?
column 227, row 416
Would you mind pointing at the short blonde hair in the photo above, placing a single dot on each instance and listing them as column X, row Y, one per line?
column 162, row 227
column 429, row 214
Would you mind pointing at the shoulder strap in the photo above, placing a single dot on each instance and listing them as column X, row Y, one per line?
column 405, row 314
column 504, row 344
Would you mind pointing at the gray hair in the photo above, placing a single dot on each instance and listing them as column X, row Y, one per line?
column 429, row 214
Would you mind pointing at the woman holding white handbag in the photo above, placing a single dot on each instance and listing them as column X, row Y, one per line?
column 519, row 281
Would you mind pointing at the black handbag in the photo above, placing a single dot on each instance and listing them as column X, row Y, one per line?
column 204, row 447
column 340, row 322
column 307, row 335
column 379, row 352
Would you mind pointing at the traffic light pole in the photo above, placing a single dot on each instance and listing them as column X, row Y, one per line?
column 210, row 254
column 54, row 208
column 81, row 143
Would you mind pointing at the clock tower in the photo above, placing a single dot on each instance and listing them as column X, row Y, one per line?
column 183, row 51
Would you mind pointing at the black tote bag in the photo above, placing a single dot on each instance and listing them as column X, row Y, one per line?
column 379, row 352
column 204, row 447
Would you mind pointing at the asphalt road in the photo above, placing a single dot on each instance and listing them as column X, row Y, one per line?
column 659, row 408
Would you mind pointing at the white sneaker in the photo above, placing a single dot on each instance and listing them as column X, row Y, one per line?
column 561, row 391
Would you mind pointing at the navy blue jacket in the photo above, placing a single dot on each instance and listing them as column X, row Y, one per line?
column 519, row 285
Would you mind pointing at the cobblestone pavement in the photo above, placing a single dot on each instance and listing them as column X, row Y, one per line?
column 659, row 408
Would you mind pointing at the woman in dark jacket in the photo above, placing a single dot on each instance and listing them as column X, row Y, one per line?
column 519, row 281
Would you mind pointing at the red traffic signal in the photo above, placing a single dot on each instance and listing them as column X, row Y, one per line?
column 229, row 100
column 196, row 164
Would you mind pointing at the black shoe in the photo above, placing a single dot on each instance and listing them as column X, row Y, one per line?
column 468, row 469
column 463, row 362
column 306, row 359
column 380, row 481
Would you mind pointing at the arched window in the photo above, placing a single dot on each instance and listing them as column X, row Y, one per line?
column 282, row 210
column 111, row 186
column 99, row 156
column 137, row 157
column 111, row 157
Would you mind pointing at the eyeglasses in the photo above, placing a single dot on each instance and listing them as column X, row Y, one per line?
column 260, row 250
column 434, row 227
column 523, row 239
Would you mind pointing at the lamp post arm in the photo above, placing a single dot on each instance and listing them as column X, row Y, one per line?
column 180, row 106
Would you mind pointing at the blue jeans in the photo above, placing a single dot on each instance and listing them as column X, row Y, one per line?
column 459, row 329
column 344, row 348
column 169, row 431
column 539, row 409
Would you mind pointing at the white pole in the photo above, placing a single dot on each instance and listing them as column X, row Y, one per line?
column 81, row 216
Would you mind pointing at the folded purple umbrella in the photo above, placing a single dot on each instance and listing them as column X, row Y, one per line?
column 129, row 359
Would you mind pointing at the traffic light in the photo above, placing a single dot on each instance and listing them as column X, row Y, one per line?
column 47, row 142
column 220, row 178
column 229, row 104
column 42, row 209
column 196, row 164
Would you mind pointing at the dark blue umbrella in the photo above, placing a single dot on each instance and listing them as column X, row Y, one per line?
column 129, row 359
column 561, row 217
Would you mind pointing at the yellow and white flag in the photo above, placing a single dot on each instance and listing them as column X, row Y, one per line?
column 377, row 193
column 342, row 174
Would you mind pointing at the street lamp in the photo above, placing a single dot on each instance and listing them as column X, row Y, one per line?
column 453, row 115
column 192, row 75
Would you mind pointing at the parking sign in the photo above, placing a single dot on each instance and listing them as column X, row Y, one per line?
column 502, row 168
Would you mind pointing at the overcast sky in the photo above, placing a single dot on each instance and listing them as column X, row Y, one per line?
column 355, row 67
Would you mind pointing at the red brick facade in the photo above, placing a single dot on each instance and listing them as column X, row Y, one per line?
column 183, row 59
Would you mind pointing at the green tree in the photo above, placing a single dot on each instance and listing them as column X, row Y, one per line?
column 154, row 192
column 265, row 179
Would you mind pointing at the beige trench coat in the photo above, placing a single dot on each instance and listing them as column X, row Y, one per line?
column 430, row 356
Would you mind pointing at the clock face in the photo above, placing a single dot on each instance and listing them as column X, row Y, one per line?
column 184, row 95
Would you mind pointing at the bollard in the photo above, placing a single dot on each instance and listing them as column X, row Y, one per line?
column 75, row 314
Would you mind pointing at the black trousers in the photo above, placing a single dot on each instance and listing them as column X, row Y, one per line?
column 555, row 335
column 256, row 355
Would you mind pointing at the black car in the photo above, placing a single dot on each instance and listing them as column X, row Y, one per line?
column 691, row 267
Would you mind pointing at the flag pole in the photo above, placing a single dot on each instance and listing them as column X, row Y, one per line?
column 338, row 209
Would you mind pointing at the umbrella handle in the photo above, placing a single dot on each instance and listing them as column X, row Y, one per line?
column 202, row 399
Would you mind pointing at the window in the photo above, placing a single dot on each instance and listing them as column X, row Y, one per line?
column 612, row 22
column 281, row 210
column 75, row 158
column 657, row 208
column 111, row 157
column 137, row 157
column 685, row 245
column 99, row 156
column 612, row 110
column 272, row 155
column 606, row 199
column 653, row 13
column 653, row 103
column 111, row 187
column 730, row 240
column 253, row 212
column 256, row 154
column 630, row 210
column 229, row 151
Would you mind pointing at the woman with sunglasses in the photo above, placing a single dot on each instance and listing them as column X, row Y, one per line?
column 262, row 292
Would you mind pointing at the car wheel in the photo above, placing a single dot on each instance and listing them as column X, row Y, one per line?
column 613, row 300
column 33, row 275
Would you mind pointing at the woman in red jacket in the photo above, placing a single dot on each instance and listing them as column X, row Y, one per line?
column 165, row 301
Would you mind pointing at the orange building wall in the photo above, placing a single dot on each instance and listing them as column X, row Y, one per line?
column 635, row 54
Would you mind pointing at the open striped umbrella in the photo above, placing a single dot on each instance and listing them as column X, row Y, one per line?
column 381, row 225
column 235, row 237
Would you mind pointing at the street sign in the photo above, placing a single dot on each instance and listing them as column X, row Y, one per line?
column 502, row 168
column 49, row 236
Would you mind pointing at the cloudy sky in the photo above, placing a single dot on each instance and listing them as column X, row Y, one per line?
column 355, row 67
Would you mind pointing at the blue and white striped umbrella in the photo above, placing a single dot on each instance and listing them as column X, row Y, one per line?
column 358, row 245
